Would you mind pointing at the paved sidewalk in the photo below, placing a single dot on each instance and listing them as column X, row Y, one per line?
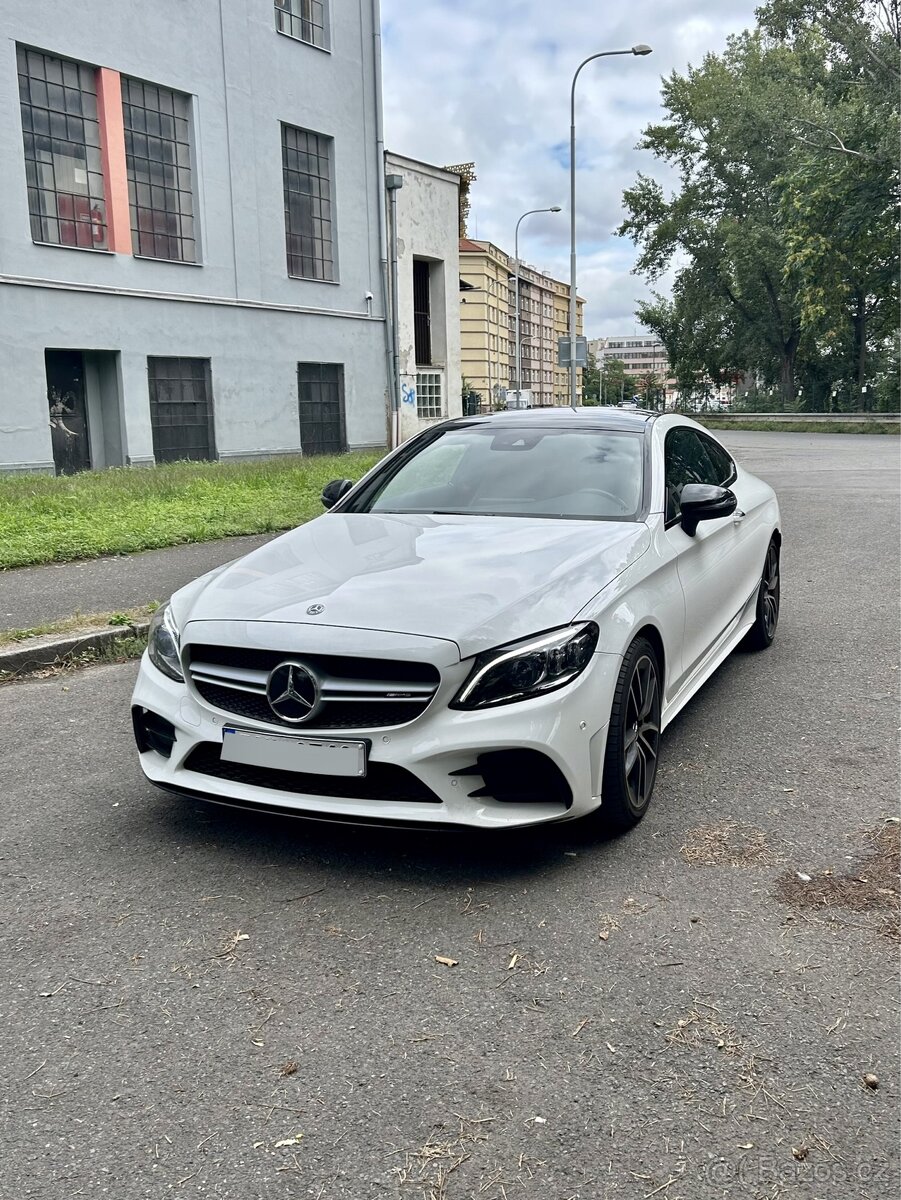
column 32, row 596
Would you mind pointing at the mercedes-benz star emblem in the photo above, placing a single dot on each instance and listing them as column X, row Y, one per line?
column 293, row 692
column 315, row 609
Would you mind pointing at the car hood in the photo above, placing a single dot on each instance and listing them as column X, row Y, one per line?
column 474, row 580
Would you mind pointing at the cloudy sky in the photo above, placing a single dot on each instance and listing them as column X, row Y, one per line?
column 487, row 81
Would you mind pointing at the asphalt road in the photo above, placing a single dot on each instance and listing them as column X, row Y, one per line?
column 204, row 1004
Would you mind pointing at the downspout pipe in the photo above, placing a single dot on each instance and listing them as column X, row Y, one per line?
column 394, row 183
column 390, row 317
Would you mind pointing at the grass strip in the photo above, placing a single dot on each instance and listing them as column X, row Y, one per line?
column 45, row 518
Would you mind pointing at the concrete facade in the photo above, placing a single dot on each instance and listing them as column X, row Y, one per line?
column 237, row 306
column 426, row 208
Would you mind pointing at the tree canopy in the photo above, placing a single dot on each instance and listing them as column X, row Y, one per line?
column 781, row 229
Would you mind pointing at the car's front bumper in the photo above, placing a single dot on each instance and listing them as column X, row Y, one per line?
column 568, row 727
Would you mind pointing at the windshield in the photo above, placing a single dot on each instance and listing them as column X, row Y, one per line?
column 581, row 474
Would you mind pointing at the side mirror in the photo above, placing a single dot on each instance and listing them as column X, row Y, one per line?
column 332, row 492
column 703, row 502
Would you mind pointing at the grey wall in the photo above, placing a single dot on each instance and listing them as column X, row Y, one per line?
column 245, row 79
column 428, row 228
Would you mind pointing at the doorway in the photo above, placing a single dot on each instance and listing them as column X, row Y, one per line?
column 68, row 411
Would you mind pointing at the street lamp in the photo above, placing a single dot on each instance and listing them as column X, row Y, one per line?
column 517, row 344
column 639, row 50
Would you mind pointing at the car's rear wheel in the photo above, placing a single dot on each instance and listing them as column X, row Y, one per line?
column 633, row 740
column 762, row 632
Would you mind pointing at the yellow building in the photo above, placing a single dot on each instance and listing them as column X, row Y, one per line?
column 487, row 327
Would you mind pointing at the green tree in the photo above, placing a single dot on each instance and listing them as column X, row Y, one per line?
column 591, row 382
column 651, row 387
column 613, row 381
column 781, row 223
column 722, row 135
column 839, row 196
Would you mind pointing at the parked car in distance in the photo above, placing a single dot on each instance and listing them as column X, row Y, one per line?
column 492, row 628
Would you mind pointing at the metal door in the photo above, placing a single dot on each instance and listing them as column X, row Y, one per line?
column 320, row 397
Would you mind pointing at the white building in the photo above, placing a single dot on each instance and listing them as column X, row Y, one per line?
column 193, row 240
column 423, row 214
column 644, row 357
column 640, row 355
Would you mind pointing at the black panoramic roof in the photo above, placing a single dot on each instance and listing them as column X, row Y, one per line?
column 620, row 419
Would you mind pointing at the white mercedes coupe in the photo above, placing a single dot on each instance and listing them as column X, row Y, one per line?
column 491, row 629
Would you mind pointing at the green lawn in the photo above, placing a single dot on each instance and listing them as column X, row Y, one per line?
column 46, row 519
column 800, row 425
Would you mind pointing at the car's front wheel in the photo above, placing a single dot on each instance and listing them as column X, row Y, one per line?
column 633, row 740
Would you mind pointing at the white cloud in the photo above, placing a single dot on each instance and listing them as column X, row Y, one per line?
column 488, row 81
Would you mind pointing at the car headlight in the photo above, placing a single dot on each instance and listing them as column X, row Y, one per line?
column 529, row 668
column 163, row 643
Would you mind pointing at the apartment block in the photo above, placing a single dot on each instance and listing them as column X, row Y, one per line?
column 487, row 327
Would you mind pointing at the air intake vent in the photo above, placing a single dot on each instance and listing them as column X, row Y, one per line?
column 383, row 781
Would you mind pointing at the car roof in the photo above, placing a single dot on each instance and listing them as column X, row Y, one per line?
column 618, row 419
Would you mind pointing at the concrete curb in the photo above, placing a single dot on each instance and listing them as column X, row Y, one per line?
column 54, row 649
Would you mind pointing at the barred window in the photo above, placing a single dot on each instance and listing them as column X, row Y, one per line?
column 306, row 171
column 61, row 133
column 181, row 408
column 158, row 161
column 429, row 402
column 302, row 19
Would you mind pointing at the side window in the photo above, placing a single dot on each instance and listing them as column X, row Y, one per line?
column 723, row 464
column 687, row 461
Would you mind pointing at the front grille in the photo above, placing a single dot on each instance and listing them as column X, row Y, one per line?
column 347, row 715
column 356, row 692
column 383, row 781
column 343, row 666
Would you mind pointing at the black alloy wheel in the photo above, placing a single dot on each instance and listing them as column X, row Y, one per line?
column 633, row 740
column 762, row 632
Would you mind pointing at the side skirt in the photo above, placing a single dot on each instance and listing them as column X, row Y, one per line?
column 717, row 657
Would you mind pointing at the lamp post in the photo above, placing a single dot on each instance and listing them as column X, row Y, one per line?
column 517, row 344
column 638, row 50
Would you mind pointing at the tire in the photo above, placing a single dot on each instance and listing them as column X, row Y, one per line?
column 633, row 740
column 761, row 634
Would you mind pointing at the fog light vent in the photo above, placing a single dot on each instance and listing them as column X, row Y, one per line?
column 520, row 777
column 152, row 732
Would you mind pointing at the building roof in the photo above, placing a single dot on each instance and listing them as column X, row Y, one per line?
column 424, row 168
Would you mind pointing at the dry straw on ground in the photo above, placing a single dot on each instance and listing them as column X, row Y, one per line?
column 729, row 844
column 871, row 886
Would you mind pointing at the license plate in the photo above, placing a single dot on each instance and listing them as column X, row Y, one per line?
column 285, row 752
